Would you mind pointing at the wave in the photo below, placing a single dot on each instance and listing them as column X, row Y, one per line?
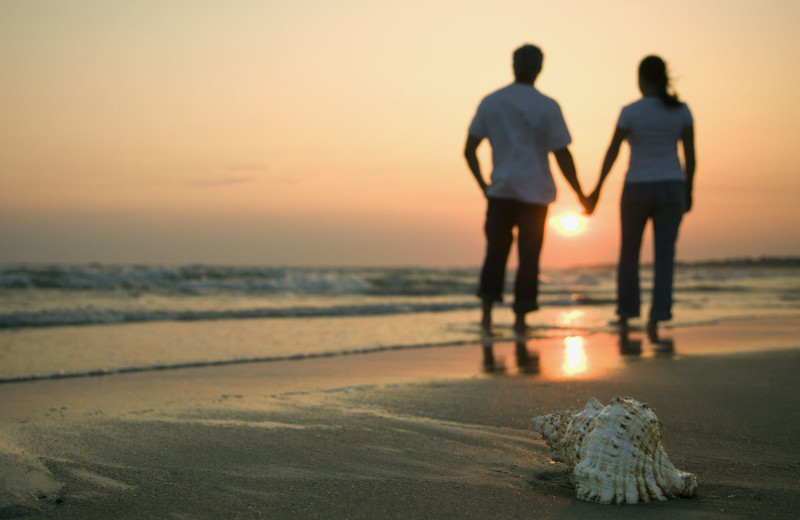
column 66, row 317
column 89, row 294
column 97, row 316
column 224, row 362
column 203, row 279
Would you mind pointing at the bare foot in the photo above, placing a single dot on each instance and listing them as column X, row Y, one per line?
column 486, row 317
column 652, row 331
column 623, row 326
column 520, row 327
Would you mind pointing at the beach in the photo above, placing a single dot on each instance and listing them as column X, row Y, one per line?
column 440, row 432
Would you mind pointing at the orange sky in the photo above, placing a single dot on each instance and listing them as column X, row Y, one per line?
column 330, row 133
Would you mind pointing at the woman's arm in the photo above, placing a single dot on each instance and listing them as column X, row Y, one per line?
column 689, row 162
column 611, row 156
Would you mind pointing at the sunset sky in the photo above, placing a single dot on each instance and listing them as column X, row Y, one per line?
column 297, row 132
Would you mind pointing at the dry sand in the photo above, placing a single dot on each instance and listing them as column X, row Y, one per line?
column 423, row 433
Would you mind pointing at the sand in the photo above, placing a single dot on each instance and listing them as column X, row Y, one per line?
column 428, row 433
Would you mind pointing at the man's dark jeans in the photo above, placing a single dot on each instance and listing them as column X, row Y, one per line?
column 664, row 203
column 502, row 215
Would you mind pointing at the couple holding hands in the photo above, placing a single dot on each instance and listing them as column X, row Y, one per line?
column 523, row 126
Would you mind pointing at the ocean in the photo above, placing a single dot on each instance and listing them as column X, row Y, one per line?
column 80, row 320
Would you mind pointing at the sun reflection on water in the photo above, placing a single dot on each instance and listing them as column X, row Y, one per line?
column 570, row 318
column 575, row 361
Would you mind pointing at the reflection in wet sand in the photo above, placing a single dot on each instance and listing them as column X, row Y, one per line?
column 527, row 361
column 570, row 318
column 629, row 347
column 664, row 348
column 570, row 357
column 552, row 358
column 575, row 361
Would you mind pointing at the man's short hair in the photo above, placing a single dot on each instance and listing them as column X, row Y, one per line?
column 527, row 62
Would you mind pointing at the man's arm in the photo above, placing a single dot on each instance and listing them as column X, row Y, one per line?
column 567, row 166
column 471, row 154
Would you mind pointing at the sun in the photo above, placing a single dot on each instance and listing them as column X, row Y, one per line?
column 569, row 223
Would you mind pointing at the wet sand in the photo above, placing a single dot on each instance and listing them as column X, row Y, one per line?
column 428, row 433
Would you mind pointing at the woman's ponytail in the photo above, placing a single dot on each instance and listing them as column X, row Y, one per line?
column 653, row 70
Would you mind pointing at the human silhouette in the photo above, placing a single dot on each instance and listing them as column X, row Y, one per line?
column 657, row 188
column 523, row 126
column 627, row 346
column 527, row 360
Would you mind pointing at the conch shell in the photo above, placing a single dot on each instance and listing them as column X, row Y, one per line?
column 614, row 452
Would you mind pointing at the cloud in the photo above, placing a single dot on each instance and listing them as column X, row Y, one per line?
column 230, row 175
column 246, row 167
column 219, row 182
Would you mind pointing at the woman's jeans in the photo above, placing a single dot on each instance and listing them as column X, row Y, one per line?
column 502, row 215
column 664, row 203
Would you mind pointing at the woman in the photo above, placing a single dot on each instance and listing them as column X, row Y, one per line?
column 656, row 188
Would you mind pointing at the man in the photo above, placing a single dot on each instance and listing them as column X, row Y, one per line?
column 523, row 126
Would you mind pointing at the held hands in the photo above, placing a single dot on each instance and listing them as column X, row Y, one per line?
column 590, row 203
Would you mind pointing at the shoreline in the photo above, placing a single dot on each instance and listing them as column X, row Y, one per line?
column 71, row 352
column 418, row 433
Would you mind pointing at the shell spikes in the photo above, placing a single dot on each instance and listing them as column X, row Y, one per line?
column 614, row 453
